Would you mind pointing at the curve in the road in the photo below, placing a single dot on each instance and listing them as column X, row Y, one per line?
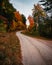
column 34, row 51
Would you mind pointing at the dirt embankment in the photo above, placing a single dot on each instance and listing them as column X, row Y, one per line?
column 10, row 50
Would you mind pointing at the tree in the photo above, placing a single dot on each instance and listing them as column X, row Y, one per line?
column 48, row 20
column 38, row 14
column 23, row 19
column 17, row 15
column 48, row 6
column 44, row 24
column 6, row 10
column 32, row 23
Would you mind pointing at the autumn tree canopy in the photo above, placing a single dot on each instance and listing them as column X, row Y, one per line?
column 32, row 23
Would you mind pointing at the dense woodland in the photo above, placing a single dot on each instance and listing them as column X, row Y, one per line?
column 41, row 18
column 10, row 19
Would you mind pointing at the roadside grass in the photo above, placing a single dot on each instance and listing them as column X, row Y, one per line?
column 10, row 49
column 35, row 34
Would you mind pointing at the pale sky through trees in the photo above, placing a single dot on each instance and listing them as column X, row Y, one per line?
column 24, row 6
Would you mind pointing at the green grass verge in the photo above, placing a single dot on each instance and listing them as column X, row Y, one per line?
column 35, row 34
column 32, row 34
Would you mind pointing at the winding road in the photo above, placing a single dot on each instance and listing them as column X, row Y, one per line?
column 35, row 51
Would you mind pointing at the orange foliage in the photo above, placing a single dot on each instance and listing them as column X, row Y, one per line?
column 31, row 23
column 18, row 16
column 19, row 24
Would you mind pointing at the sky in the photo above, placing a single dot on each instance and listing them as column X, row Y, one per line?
column 24, row 6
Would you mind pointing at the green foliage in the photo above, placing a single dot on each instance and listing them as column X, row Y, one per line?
column 45, row 29
column 34, row 29
column 44, row 23
column 2, row 28
column 23, row 19
column 1, row 21
column 47, row 4
column 6, row 9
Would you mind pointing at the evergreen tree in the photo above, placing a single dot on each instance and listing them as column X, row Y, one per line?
column 47, row 28
column 23, row 19
column 44, row 23
column 48, row 5
column 7, row 10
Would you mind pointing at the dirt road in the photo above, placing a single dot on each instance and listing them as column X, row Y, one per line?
column 35, row 51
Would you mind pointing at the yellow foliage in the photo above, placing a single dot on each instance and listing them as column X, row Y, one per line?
column 5, row 25
column 21, row 25
column 13, row 25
